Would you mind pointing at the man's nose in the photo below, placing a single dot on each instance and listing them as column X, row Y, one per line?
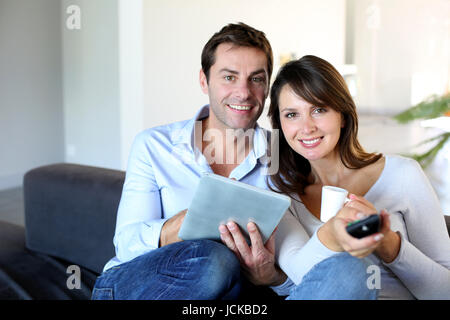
column 243, row 90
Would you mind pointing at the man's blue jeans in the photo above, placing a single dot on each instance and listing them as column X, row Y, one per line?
column 208, row 270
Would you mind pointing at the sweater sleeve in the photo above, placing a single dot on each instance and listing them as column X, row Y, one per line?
column 424, row 259
column 296, row 252
column 283, row 289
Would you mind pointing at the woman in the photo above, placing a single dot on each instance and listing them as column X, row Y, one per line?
column 312, row 106
column 312, row 263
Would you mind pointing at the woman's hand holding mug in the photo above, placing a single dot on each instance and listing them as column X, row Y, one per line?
column 335, row 237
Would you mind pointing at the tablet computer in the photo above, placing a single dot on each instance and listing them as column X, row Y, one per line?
column 218, row 200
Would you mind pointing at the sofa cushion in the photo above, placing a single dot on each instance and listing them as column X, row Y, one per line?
column 70, row 212
column 26, row 275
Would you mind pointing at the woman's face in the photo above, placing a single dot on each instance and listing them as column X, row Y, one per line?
column 312, row 131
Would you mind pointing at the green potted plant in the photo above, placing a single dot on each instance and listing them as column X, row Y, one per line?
column 433, row 107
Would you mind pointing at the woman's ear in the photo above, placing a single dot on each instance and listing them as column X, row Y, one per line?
column 203, row 81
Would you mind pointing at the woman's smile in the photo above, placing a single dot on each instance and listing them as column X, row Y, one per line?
column 310, row 143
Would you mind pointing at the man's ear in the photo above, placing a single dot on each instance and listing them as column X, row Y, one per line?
column 266, row 94
column 203, row 82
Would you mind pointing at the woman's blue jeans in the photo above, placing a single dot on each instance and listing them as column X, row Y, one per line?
column 208, row 270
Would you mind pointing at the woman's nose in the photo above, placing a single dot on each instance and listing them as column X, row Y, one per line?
column 308, row 125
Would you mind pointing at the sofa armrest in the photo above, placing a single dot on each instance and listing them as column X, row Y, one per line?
column 70, row 212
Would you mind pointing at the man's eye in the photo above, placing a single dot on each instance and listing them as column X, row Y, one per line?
column 258, row 79
column 229, row 78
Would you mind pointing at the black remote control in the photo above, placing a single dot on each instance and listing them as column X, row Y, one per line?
column 363, row 228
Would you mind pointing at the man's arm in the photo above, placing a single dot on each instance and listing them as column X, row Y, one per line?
column 139, row 216
column 170, row 229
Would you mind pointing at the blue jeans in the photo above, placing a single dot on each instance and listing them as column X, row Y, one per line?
column 208, row 270
column 192, row 270
column 341, row 277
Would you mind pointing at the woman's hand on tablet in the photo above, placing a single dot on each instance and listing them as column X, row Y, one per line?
column 257, row 260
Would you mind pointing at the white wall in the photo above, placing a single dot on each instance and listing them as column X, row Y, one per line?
column 103, row 81
column 401, row 49
column 131, row 60
column 175, row 32
column 31, row 116
column 91, row 84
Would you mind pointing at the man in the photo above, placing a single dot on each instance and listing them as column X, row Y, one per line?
column 164, row 168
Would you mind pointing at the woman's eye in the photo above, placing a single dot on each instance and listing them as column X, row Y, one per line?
column 320, row 110
column 290, row 115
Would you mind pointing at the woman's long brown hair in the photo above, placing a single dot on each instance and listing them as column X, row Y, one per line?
column 319, row 83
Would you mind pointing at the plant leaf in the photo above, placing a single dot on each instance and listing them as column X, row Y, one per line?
column 433, row 107
column 427, row 157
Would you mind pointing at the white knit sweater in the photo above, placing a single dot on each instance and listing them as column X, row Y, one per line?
column 421, row 269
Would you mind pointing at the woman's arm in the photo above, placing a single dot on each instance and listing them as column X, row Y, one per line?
column 297, row 252
column 389, row 246
column 423, row 260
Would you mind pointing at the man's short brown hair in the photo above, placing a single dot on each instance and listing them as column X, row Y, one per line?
column 240, row 35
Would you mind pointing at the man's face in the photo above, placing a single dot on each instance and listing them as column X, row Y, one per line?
column 237, row 88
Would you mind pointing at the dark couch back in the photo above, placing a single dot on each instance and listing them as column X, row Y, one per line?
column 70, row 212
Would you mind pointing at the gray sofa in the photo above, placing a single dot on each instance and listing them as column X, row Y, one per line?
column 70, row 217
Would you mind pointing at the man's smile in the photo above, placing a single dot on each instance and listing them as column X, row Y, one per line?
column 240, row 108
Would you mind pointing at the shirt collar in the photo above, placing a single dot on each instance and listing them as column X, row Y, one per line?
column 260, row 142
column 187, row 134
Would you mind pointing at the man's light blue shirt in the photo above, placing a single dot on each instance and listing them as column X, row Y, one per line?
column 164, row 168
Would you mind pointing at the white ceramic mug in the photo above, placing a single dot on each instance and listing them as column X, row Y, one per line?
column 333, row 199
